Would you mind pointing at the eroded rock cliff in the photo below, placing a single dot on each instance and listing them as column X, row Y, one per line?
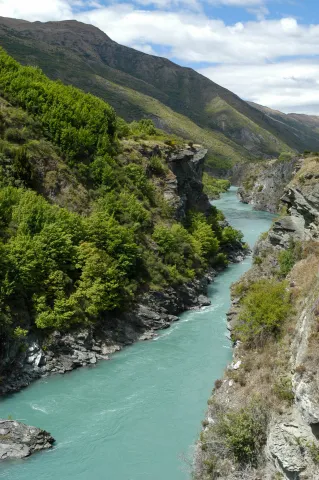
column 263, row 416
column 262, row 184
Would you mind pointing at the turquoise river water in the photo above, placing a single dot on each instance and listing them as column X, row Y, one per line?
column 137, row 416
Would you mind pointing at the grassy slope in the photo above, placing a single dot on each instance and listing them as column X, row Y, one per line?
column 305, row 127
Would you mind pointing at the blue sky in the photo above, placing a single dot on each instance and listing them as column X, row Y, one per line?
column 266, row 51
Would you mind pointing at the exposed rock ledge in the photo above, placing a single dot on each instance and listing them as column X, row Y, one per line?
column 18, row 440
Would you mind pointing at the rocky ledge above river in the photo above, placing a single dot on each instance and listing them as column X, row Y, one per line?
column 18, row 440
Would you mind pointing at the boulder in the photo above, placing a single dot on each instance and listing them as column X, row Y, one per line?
column 18, row 440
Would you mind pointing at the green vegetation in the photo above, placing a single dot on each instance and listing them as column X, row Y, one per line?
column 213, row 187
column 244, row 432
column 283, row 389
column 285, row 156
column 264, row 309
column 63, row 267
column 81, row 124
column 287, row 258
column 239, row 435
column 313, row 449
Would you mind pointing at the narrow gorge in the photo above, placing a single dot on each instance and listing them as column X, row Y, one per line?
column 159, row 253
column 161, row 385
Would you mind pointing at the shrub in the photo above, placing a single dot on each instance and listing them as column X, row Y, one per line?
column 221, row 260
column 287, row 258
column 81, row 124
column 213, row 187
column 157, row 166
column 15, row 135
column 302, row 179
column 20, row 332
column 218, row 383
column 239, row 288
column 283, row 390
column 245, row 432
column 314, row 451
column 230, row 236
column 257, row 260
column 300, row 369
column 144, row 126
column 285, row 156
column 264, row 308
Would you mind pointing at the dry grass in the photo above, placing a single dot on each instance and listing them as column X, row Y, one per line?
column 310, row 166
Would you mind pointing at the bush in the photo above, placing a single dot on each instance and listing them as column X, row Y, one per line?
column 313, row 449
column 157, row 166
column 220, row 260
column 244, row 432
column 144, row 126
column 213, row 187
column 218, row 383
column 81, row 124
column 264, row 309
column 15, row 135
column 283, row 390
column 20, row 332
column 257, row 260
column 285, row 156
column 231, row 236
column 288, row 258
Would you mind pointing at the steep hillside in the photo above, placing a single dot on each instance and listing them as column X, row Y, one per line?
column 304, row 127
column 106, row 233
column 138, row 85
column 263, row 415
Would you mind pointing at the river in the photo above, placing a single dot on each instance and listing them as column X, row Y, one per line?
column 137, row 416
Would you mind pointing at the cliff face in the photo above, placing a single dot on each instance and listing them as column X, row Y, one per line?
column 275, row 379
column 263, row 184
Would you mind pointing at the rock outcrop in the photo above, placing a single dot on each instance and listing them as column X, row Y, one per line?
column 188, row 166
column 262, row 184
column 18, row 440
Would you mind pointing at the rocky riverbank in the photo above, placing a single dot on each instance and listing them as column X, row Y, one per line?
column 38, row 354
column 263, row 416
column 18, row 440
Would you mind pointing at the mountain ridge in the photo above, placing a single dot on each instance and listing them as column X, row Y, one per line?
column 86, row 57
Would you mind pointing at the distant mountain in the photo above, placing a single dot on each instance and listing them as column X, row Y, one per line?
column 138, row 85
column 305, row 127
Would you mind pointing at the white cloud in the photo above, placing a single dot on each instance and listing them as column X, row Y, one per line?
column 36, row 9
column 196, row 38
column 144, row 48
column 286, row 86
